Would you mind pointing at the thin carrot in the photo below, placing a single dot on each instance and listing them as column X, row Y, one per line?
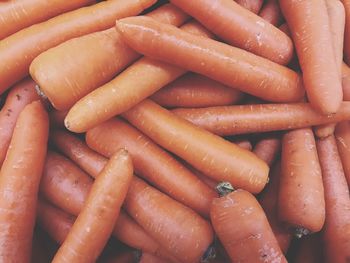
column 89, row 61
column 268, row 148
column 19, row 182
column 18, row 50
column 229, row 65
column 271, row 12
column 20, row 95
column 57, row 118
column 346, row 4
column 240, row 119
column 309, row 250
column 205, row 151
column 342, row 135
column 252, row 5
column 337, row 226
column 309, row 23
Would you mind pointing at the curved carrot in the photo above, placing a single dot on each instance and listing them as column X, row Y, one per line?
column 234, row 67
column 309, row 250
column 342, row 135
column 301, row 197
column 268, row 148
column 346, row 4
column 18, row 50
column 19, row 96
column 19, row 182
column 205, row 151
column 94, row 224
column 252, row 5
column 271, row 12
column 193, row 90
column 337, row 226
column 57, row 118
column 89, row 61
column 240, row 119
column 18, row 14
column 309, row 23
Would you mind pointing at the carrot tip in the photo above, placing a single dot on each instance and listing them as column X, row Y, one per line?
column 300, row 232
column 224, row 188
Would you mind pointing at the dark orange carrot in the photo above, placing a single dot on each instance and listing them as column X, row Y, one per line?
column 271, row 12
column 268, row 148
column 342, row 135
column 252, row 5
column 309, row 250
column 57, row 118
column 19, row 183
column 20, row 95
column 346, row 4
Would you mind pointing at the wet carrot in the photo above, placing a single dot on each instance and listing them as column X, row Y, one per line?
column 342, row 135
column 252, row 5
column 271, row 12
column 346, row 4
column 268, row 148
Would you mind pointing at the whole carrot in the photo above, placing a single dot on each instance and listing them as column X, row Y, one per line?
column 268, row 148
column 346, row 4
column 252, row 5
column 205, row 151
column 229, row 65
column 342, row 135
column 19, row 183
column 271, row 12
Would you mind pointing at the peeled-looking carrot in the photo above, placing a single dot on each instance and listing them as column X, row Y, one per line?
column 57, row 118
column 346, row 4
column 229, row 65
column 336, row 231
column 18, row 50
column 309, row 250
column 19, row 183
column 271, row 12
column 342, row 135
column 245, row 240
column 240, row 119
column 301, row 197
column 94, row 224
column 20, row 95
column 268, row 148
column 18, row 14
column 210, row 154
column 89, row 61
column 309, row 23
column 252, row 5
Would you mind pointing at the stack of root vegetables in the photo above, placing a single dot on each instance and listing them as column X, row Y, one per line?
column 175, row 131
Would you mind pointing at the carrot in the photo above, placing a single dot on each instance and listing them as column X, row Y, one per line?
column 93, row 226
column 271, row 12
column 342, row 135
column 205, row 151
column 325, row 130
column 245, row 241
column 252, row 5
column 301, row 198
column 19, row 96
column 193, row 90
column 337, row 226
column 240, row 119
column 57, row 118
column 18, row 50
column 19, row 182
column 152, row 163
column 16, row 15
column 89, row 61
column 234, row 67
column 346, row 4
column 268, row 148
column 309, row 250
column 182, row 232
column 346, row 81
column 126, row 90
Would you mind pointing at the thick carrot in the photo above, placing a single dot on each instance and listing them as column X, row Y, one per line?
column 268, row 148
column 342, row 134
column 251, row 238
column 57, row 118
column 94, row 224
column 193, row 90
column 271, row 12
column 309, row 23
column 240, row 119
column 337, row 226
column 89, row 61
column 252, row 5
column 152, row 163
column 18, row 50
column 229, row 65
column 301, row 201
column 205, row 151
column 20, row 95
column 309, row 250
column 19, row 182
column 126, row 90
column 182, row 232
column 18, row 14
column 346, row 4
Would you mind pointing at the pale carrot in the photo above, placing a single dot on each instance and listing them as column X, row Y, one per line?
column 342, row 135
column 346, row 4
column 252, row 5
column 268, row 148
column 271, row 12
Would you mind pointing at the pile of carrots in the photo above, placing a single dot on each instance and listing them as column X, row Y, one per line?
column 175, row 131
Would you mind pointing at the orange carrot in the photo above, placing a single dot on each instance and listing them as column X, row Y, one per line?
column 271, row 12
column 337, row 226
column 234, row 67
column 18, row 50
column 342, row 134
column 309, row 250
column 20, row 95
column 252, row 5
column 205, row 151
column 19, row 182
column 57, row 118
column 94, row 224
column 309, row 23
column 346, row 4
column 89, row 61
column 16, row 15
column 240, row 119
column 301, row 198
column 241, row 28
column 268, row 148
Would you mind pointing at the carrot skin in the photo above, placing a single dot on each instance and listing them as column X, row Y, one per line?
column 268, row 148
column 342, row 135
column 271, row 12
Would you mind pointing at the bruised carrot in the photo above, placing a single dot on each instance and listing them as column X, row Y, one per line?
column 212, row 155
column 16, row 15
column 346, row 4
column 342, row 135
column 271, row 12
column 252, row 5
column 301, row 197
column 19, row 183
column 309, row 250
column 20, row 95
column 268, row 148
column 89, row 61
column 18, row 50
column 229, row 65
column 94, row 224
column 240, row 119
column 245, row 241
column 57, row 118
column 337, row 226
